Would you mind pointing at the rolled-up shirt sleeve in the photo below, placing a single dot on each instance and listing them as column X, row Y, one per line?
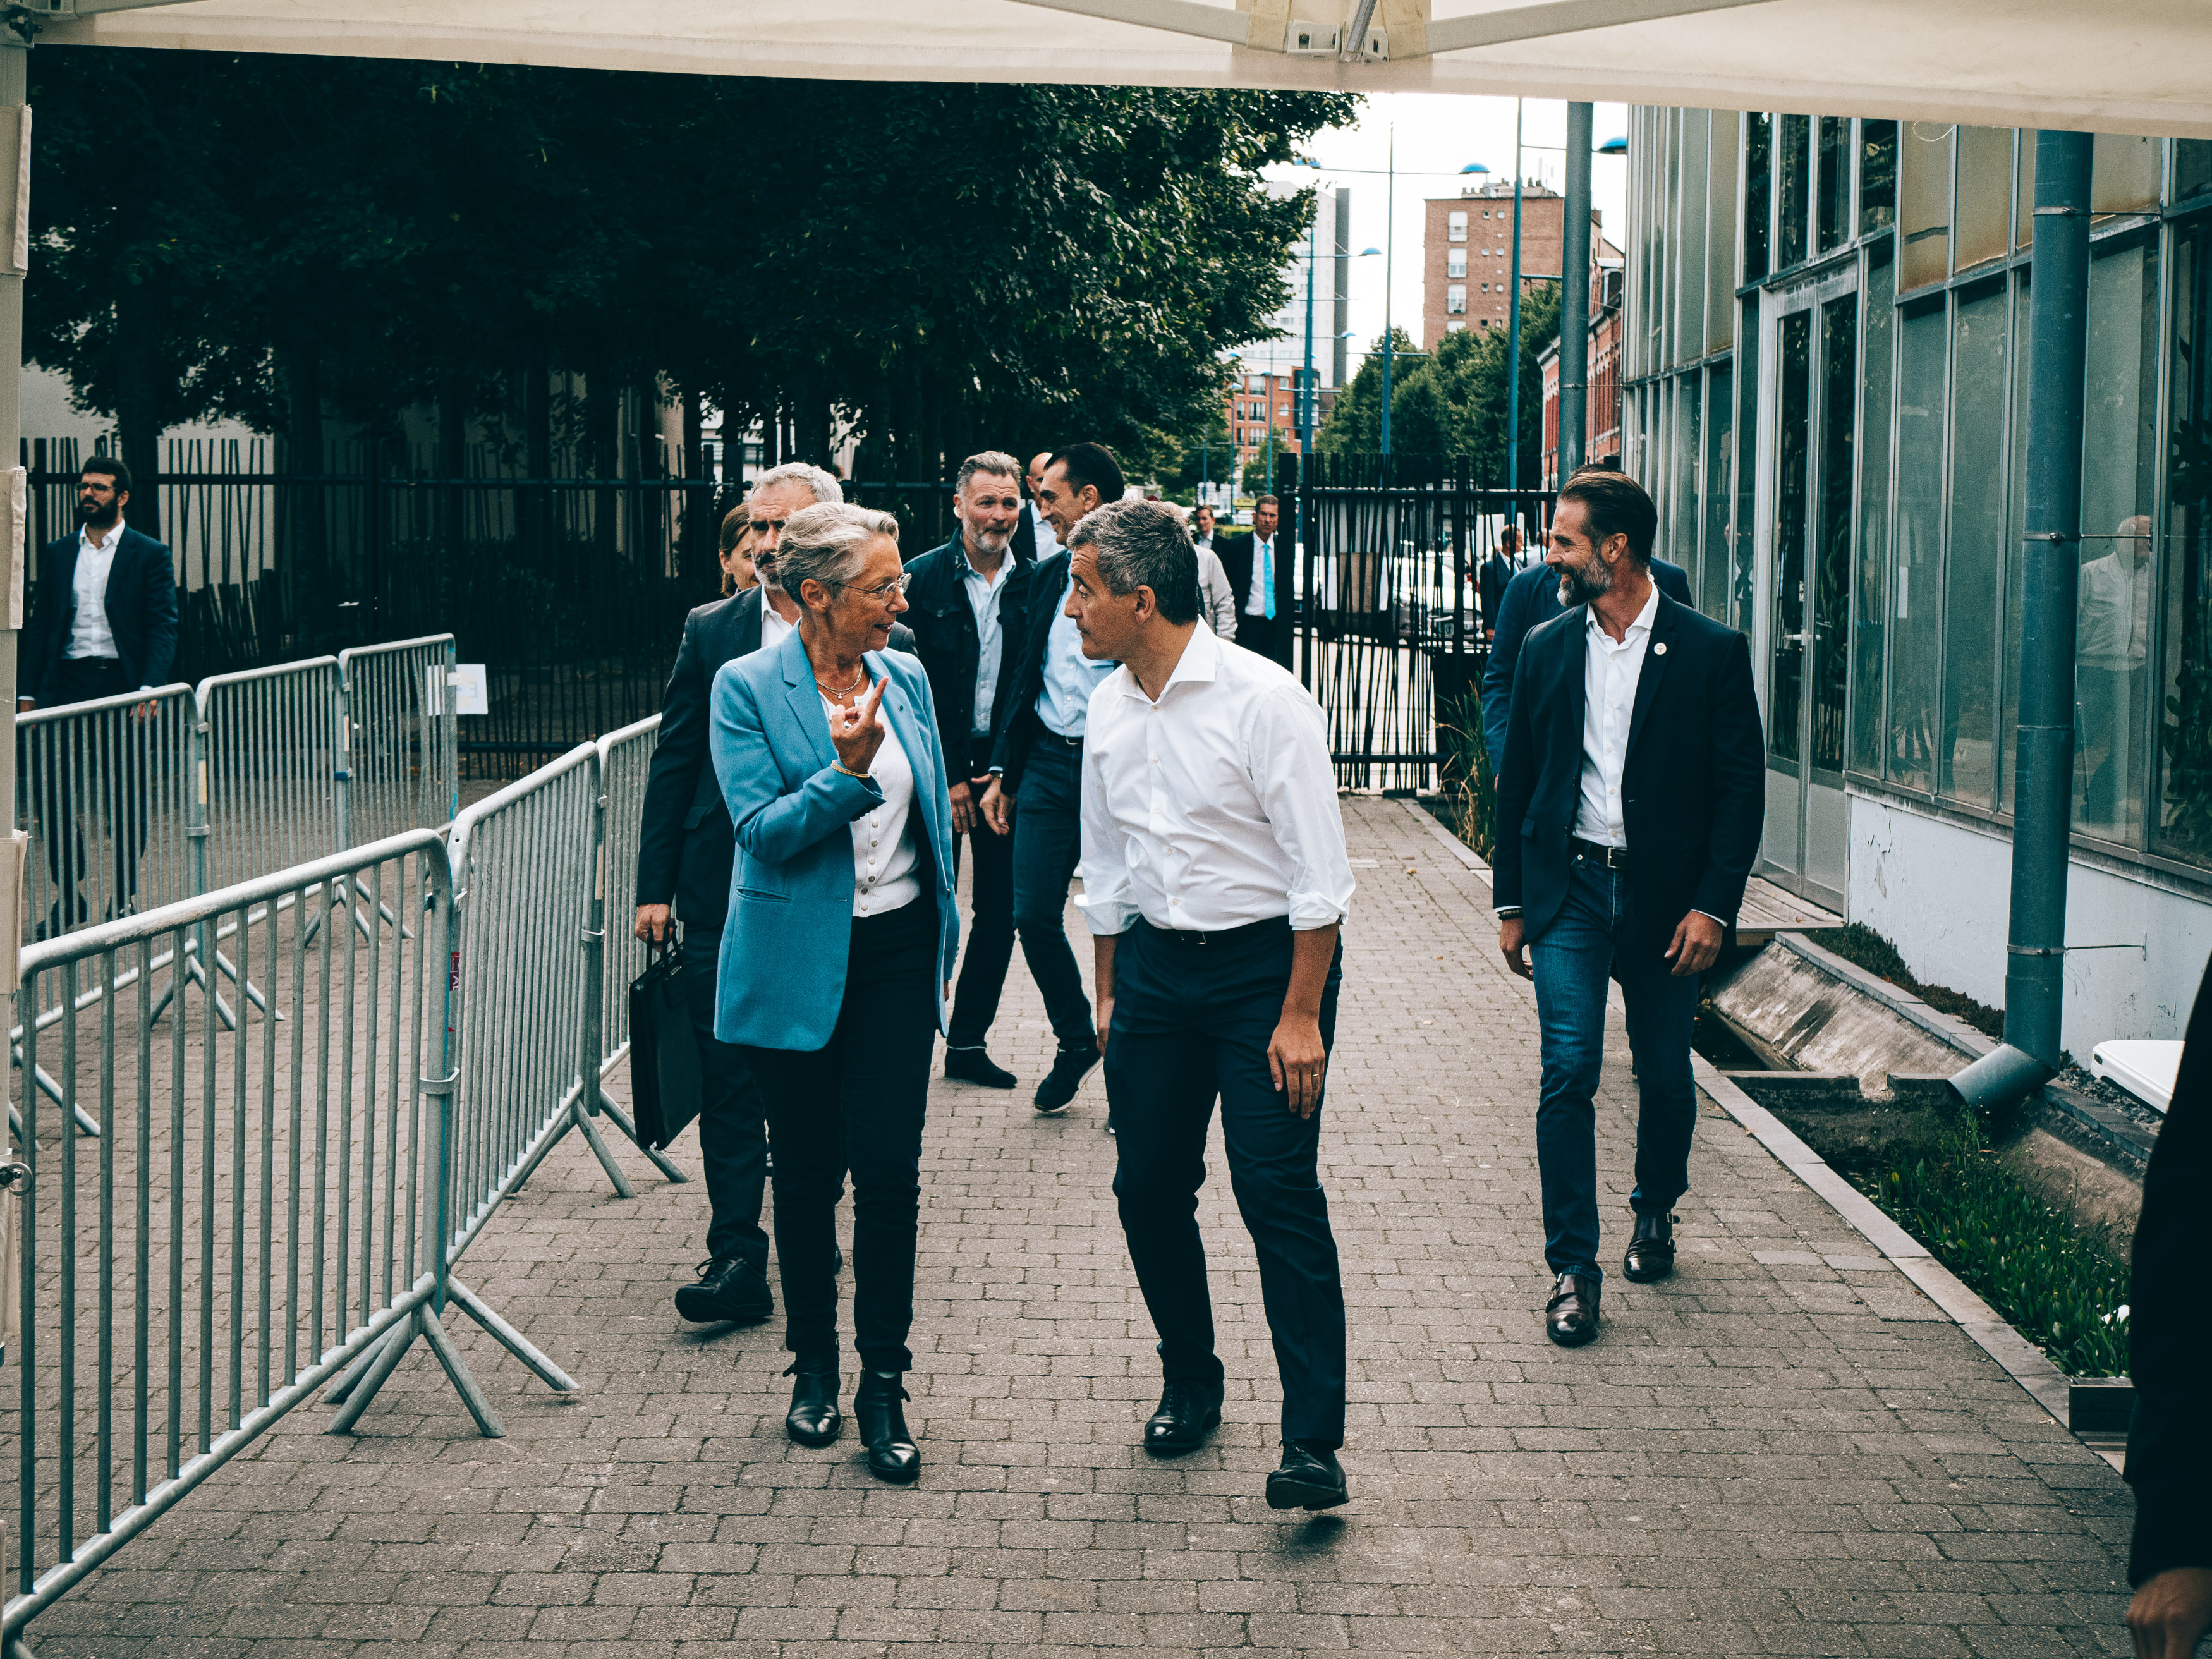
column 1108, row 905
column 1287, row 750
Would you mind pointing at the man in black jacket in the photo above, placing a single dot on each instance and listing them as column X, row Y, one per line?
column 1629, row 812
column 686, row 849
column 966, row 602
column 1036, row 789
column 1498, row 571
column 103, row 623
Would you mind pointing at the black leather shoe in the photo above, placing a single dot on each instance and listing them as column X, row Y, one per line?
column 1069, row 1067
column 1651, row 1256
column 1571, row 1316
column 892, row 1454
column 1188, row 1412
column 730, row 1287
column 1310, row 1478
column 975, row 1065
column 813, row 1419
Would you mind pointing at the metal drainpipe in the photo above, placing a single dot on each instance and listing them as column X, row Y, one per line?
column 1574, row 297
column 2035, row 965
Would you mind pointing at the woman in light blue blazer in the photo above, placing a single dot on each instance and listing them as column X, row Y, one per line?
column 838, row 948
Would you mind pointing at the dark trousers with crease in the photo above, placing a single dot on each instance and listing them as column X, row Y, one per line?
column 988, row 950
column 112, row 779
column 733, row 1122
column 1048, row 845
column 1191, row 1025
column 856, row 1104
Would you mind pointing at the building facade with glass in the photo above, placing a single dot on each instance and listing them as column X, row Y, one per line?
column 1824, row 389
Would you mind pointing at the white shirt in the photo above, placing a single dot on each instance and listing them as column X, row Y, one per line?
column 1610, row 672
column 1048, row 543
column 883, row 861
column 1255, row 602
column 1215, row 806
column 1070, row 676
column 90, row 636
column 774, row 629
column 2115, row 612
column 1216, row 597
column 990, row 637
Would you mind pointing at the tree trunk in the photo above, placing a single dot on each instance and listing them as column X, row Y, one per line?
column 303, row 543
column 138, row 408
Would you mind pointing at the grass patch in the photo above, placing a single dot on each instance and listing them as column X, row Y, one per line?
column 2060, row 1284
column 1859, row 944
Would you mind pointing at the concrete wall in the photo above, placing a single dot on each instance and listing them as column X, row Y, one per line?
column 1940, row 892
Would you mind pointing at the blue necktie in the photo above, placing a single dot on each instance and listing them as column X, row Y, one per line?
column 1267, row 577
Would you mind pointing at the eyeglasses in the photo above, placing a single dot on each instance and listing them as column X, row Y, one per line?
column 883, row 591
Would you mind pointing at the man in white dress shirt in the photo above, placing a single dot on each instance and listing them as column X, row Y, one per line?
column 1215, row 880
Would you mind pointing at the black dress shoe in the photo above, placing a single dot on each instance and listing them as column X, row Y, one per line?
column 1069, row 1067
column 1310, row 1478
column 1571, row 1316
column 813, row 1419
column 892, row 1454
column 1188, row 1412
column 730, row 1287
column 1651, row 1249
column 975, row 1065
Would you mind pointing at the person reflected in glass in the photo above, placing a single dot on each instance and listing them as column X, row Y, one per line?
column 2112, row 652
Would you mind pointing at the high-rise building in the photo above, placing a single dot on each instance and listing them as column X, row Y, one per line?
column 1270, row 374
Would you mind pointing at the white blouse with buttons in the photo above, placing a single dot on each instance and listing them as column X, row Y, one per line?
column 885, row 876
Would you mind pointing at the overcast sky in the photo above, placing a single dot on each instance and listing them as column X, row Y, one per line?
column 1437, row 136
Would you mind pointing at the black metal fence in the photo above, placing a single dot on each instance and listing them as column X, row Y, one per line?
column 1390, row 637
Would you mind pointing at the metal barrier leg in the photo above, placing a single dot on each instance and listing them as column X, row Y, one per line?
column 629, row 1130
column 223, row 1009
column 86, row 1123
column 508, row 1338
column 387, row 1361
column 224, row 965
column 582, row 1120
column 343, row 1384
column 458, row 1374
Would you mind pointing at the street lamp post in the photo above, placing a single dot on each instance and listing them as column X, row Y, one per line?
column 1513, row 327
column 1390, row 259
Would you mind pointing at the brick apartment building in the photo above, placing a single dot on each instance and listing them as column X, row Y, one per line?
column 1466, row 254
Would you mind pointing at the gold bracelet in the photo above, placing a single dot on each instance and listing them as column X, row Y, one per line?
column 840, row 766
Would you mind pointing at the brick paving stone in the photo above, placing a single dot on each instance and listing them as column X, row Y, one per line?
column 1783, row 1449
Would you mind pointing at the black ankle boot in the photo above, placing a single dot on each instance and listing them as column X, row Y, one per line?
column 813, row 1419
column 892, row 1454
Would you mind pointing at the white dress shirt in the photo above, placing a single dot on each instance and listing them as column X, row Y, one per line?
column 1048, row 543
column 1070, row 676
column 2114, row 631
column 1263, row 557
column 1215, row 806
column 774, row 629
column 90, row 635
column 990, row 637
column 1610, row 672
column 884, row 877
column 1217, row 598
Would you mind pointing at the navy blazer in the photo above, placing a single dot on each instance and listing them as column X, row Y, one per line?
column 1694, row 781
column 1532, row 599
column 142, row 613
column 782, row 972
column 685, row 847
column 1020, row 726
column 950, row 644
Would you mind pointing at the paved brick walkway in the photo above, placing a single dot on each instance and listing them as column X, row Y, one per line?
column 1786, row 1450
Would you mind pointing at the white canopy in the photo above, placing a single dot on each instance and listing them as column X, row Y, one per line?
column 2136, row 66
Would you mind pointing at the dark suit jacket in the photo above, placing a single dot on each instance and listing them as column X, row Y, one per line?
column 1237, row 551
column 142, row 613
column 1490, row 584
column 1693, row 786
column 1018, row 725
column 686, row 846
column 946, row 640
column 1531, row 598
column 2169, row 1332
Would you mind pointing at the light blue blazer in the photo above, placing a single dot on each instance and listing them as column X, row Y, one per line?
column 784, row 948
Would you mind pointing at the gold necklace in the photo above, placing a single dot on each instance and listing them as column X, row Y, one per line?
column 841, row 691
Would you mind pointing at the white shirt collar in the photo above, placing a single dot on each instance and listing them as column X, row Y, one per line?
column 1644, row 618
column 115, row 535
column 1200, row 661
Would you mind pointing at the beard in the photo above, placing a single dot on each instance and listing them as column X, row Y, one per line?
column 90, row 513
column 1581, row 586
column 992, row 541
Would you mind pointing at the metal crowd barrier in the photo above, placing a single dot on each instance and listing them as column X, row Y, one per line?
column 267, row 755
column 397, row 765
column 625, row 761
column 268, row 1206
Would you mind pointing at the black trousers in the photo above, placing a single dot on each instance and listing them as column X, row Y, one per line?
column 856, row 1104
column 108, row 780
column 733, row 1122
column 1192, row 1024
column 990, row 944
column 1048, row 845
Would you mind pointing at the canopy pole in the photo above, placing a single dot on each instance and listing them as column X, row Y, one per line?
column 2035, row 964
column 1574, row 297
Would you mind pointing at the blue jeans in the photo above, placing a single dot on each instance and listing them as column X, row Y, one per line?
column 1048, row 845
column 1572, row 961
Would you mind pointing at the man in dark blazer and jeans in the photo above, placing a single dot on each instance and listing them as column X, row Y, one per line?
column 104, row 622
column 1628, row 813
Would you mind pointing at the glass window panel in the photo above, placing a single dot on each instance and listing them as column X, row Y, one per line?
column 1915, row 586
column 1877, row 175
column 2023, row 217
column 1455, row 226
column 1719, row 498
column 1832, row 192
column 1740, row 588
column 1794, row 182
column 1690, row 289
column 1682, row 512
column 1967, row 755
column 1923, row 206
column 1984, row 196
column 2009, row 674
column 1793, row 457
column 1720, row 234
column 1831, row 530
column 1455, row 262
column 2192, row 167
column 1869, row 602
column 1758, row 193
column 2124, row 174
column 2185, row 805
column 2119, row 460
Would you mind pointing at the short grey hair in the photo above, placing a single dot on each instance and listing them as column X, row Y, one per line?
column 822, row 486
column 996, row 462
column 829, row 542
column 1139, row 544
